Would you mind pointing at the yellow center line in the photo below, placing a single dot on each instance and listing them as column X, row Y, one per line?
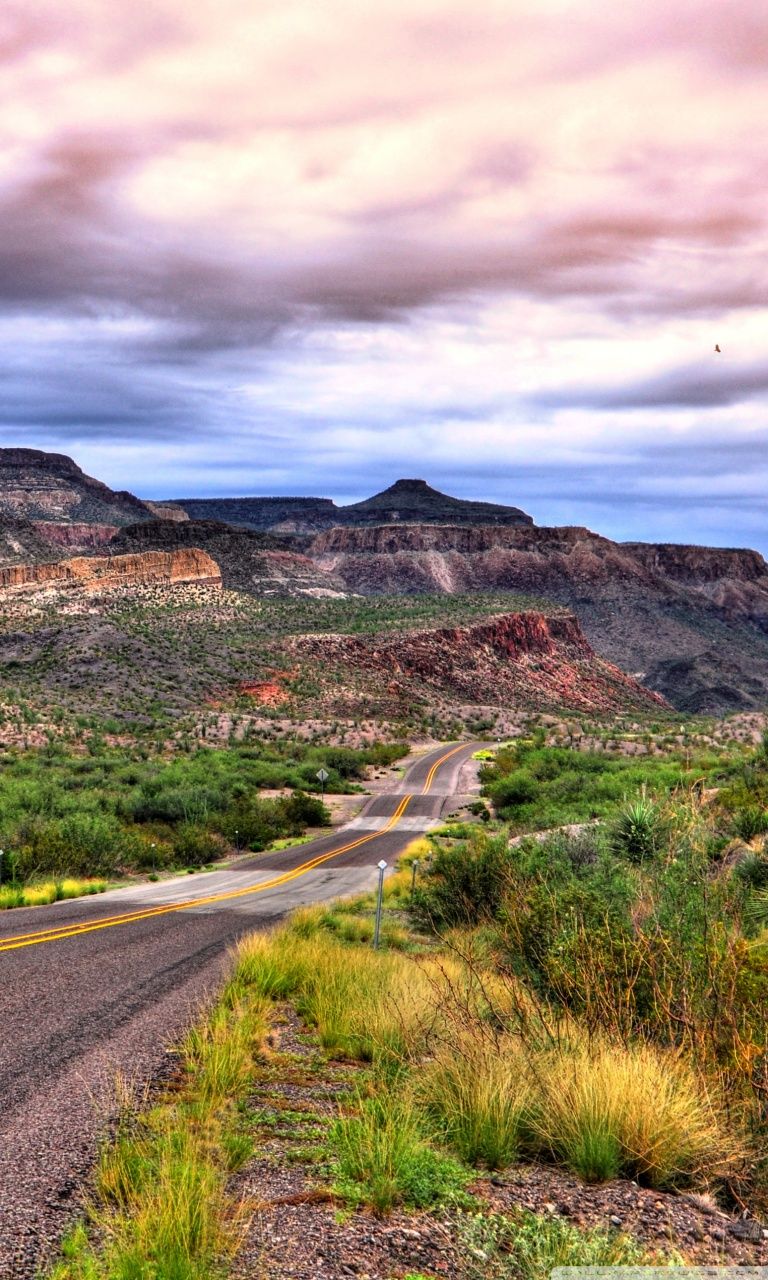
column 437, row 764
column 57, row 933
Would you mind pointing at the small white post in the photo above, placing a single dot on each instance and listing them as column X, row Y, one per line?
column 379, row 903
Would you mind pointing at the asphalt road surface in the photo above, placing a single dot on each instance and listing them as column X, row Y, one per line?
column 99, row 986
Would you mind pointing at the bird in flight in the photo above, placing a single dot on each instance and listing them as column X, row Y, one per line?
column 717, row 348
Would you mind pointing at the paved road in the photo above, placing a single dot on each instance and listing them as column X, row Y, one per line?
column 102, row 984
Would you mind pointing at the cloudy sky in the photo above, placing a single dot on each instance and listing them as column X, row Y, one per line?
column 282, row 246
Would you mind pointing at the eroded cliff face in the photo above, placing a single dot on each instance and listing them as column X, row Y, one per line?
column 387, row 559
column 642, row 606
column 76, row 536
column 35, row 485
column 529, row 660
column 102, row 573
column 250, row 560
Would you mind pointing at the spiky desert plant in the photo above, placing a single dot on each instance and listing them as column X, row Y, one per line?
column 637, row 830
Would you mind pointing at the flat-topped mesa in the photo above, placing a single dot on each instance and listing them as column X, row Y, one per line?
column 279, row 515
column 404, row 502
column 103, row 573
column 697, row 566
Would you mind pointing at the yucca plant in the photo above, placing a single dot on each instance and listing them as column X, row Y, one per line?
column 756, row 911
column 636, row 832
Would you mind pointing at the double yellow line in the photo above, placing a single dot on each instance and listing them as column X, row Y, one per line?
column 131, row 917
column 431, row 775
column 20, row 940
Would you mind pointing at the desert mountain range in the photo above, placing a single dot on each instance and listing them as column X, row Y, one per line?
column 691, row 623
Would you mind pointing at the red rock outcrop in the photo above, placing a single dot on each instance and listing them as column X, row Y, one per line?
column 641, row 605
column 100, row 573
column 77, row 536
column 527, row 660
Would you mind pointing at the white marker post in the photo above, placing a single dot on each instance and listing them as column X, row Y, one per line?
column 414, row 869
column 379, row 903
column 323, row 775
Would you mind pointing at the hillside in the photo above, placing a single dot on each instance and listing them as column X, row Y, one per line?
column 51, row 487
column 691, row 622
column 531, row 660
column 642, row 606
column 251, row 561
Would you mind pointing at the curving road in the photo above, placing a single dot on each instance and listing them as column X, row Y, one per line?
column 97, row 986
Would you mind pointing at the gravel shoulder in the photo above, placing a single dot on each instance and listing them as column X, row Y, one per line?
column 298, row 1232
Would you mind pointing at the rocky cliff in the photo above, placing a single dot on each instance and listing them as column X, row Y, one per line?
column 102, row 573
column 258, row 563
column 528, row 660
column 641, row 606
column 76, row 537
column 49, row 486
column 167, row 511
column 22, row 542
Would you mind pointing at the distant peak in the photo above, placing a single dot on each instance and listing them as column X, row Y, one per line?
column 414, row 501
column 409, row 486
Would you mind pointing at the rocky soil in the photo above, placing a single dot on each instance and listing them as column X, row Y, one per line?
column 298, row 1233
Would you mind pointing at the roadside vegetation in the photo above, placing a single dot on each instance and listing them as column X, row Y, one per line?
column 160, row 1207
column 44, row 892
column 532, row 786
column 588, row 999
column 118, row 810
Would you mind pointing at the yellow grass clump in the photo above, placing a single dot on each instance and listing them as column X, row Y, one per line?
column 639, row 1111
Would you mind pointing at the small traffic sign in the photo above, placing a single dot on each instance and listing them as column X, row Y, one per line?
column 323, row 775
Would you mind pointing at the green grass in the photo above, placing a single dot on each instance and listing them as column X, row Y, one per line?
column 161, row 1206
column 37, row 895
column 528, row 1246
column 381, row 1158
column 478, row 1094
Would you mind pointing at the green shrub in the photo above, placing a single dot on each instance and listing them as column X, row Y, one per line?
column 193, row 846
column 465, row 884
column 515, row 789
column 636, row 832
column 750, row 821
column 753, row 871
column 79, row 844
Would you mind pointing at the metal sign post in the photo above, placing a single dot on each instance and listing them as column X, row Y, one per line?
column 379, row 903
column 414, row 869
column 323, row 775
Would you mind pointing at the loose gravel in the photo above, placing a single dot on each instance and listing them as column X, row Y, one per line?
column 298, row 1233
